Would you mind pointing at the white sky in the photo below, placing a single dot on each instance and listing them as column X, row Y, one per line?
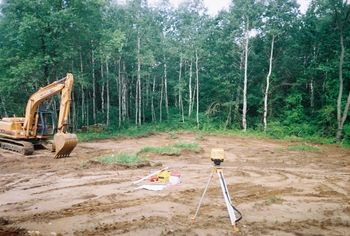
column 214, row 6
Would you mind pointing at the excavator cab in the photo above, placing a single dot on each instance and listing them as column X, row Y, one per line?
column 46, row 124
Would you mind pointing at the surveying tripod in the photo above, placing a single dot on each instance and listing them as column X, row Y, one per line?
column 233, row 213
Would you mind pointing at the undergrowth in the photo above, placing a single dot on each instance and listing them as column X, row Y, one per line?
column 207, row 128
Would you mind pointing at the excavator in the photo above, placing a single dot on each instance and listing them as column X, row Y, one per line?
column 22, row 134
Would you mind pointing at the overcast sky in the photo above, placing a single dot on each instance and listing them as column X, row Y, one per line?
column 216, row 5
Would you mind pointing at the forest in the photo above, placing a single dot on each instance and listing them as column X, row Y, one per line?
column 261, row 65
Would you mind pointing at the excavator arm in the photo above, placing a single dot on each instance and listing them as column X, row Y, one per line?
column 66, row 99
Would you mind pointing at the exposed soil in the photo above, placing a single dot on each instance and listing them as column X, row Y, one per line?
column 279, row 192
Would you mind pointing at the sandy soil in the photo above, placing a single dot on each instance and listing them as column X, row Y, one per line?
column 279, row 192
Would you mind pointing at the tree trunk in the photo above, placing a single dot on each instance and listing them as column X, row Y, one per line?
column 236, row 115
column 197, row 86
column 143, row 108
column 74, row 115
column 74, row 107
column 152, row 100
column 148, row 91
column 131, row 96
column 4, row 106
column 124, row 95
column 345, row 115
column 229, row 117
column 237, row 101
column 341, row 117
column 190, row 91
column 82, row 105
column 87, row 111
column 312, row 95
column 139, row 95
column 161, row 100
column 193, row 97
column 102, row 88
column 244, row 112
column 119, row 83
column 93, row 86
column 166, row 89
column 140, row 101
column 268, row 82
column 136, row 102
column 107, row 92
column 82, row 90
column 181, row 107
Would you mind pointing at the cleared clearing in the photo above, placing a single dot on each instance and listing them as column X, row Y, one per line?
column 279, row 190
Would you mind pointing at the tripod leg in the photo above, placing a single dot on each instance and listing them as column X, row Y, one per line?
column 227, row 198
column 202, row 197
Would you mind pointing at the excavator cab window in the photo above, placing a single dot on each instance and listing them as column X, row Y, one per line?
column 46, row 119
column 46, row 123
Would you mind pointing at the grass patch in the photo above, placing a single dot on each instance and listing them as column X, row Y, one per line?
column 172, row 150
column 166, row 150
column 274, row 200
column 303, row 148
column 121, row 159
column 187, row 146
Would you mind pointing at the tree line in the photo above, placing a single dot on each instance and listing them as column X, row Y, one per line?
column 259, row 65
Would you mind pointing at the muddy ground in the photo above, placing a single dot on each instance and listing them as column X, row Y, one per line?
column 278, row 191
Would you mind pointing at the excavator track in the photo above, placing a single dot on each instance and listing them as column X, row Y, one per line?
column 23, row 147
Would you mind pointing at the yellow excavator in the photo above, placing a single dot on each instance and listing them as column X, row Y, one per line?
column 22, row 134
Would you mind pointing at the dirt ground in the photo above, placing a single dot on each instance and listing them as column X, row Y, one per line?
column 278, row 191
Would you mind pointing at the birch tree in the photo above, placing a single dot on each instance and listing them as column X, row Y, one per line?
column 278, row 17
column 246, row 15
column 342, row 18
column 93, row 83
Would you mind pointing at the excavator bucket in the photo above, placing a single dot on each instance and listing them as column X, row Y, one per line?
column 64, row 144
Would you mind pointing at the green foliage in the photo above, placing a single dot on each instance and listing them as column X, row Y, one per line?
column 325, row 119
column 40, row 41
column 303, row 148
column 346, row 141
column 295, row 111
column 121, row 158
column 275, row 131
column 132, row 132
